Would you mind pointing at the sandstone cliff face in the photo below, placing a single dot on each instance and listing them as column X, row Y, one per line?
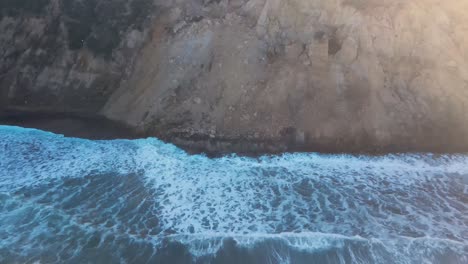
column 338, row 75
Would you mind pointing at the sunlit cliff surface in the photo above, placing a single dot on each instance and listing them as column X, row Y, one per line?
column 338, row 75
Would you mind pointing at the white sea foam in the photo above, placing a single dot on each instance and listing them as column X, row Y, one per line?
column 303, row 201
column 209, row 243
column 401, row 248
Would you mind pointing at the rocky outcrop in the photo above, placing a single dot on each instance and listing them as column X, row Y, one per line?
column 59, row 55
column 251, row 75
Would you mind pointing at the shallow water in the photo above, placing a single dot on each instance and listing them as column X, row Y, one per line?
column 67, row 200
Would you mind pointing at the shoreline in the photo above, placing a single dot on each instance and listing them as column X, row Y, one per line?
column 70, row 124
column 93, row 127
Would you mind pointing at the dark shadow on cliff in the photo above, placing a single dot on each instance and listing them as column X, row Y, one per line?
column 70, row 125
column 96, row 127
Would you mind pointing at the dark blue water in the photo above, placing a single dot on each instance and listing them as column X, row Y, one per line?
column 65, row 200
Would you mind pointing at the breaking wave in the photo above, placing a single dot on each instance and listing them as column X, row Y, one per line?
column 75, row 200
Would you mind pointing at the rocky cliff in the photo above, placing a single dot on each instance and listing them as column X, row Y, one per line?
column 69, row 56
column 248, row 75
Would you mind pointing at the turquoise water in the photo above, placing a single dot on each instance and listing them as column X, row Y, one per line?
column 67, row 200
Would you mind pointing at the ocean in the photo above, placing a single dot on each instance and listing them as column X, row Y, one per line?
column 69, row 200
